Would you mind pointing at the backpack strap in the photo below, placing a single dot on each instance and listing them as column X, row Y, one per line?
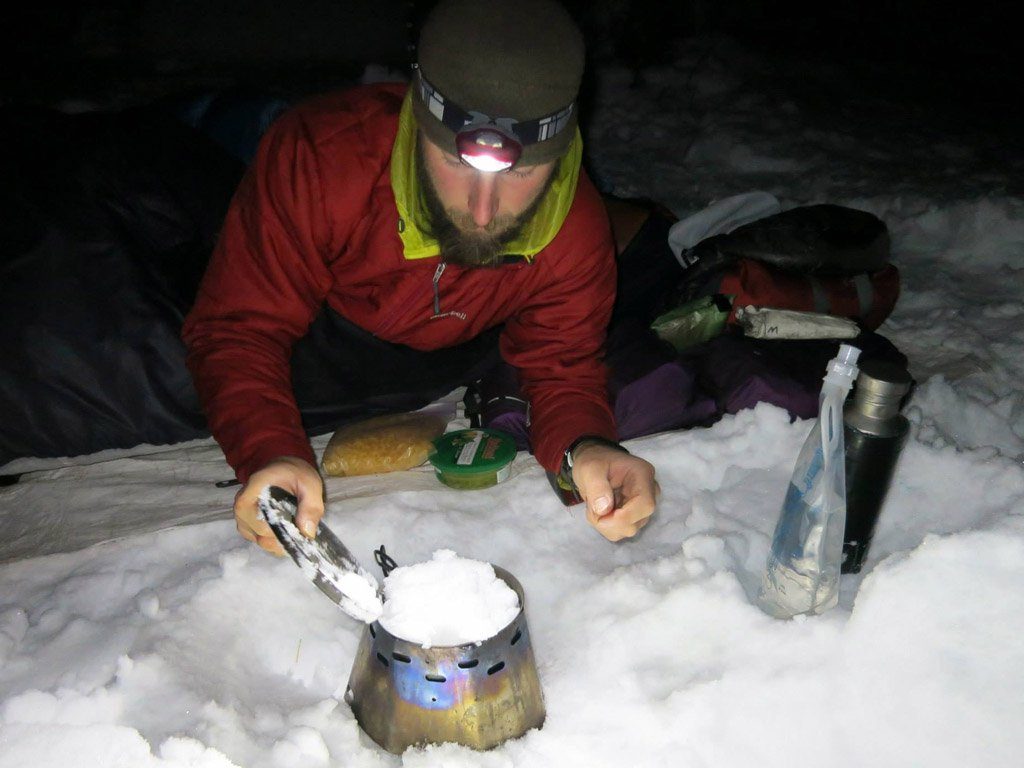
column 865, row 293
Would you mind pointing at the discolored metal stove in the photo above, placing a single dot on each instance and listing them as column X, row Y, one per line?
column 478, row 694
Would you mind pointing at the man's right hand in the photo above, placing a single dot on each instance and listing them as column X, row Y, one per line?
column 295, row 475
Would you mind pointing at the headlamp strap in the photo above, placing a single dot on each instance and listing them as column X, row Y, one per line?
column 455, row 118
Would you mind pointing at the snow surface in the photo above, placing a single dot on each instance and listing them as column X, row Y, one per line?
column 189, row 647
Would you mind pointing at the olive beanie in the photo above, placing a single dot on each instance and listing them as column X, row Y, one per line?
column 518, row 59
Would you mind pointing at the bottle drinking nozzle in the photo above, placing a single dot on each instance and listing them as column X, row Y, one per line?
column 842, row 369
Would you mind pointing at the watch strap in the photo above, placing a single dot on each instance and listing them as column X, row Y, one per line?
column 562, row 482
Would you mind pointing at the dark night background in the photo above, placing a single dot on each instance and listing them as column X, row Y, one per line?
column 960, row 56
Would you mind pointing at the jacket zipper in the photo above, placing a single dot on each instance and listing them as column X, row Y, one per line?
column 438, row 314
column 437, row 291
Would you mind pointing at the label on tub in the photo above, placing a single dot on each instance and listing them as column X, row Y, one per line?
column 468, row 453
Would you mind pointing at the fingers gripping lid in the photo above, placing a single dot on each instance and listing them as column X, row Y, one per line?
column 520, row 60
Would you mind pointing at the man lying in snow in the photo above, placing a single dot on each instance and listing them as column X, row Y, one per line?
column 408, row 231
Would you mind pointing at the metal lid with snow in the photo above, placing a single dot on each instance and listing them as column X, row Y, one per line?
column 473, row 458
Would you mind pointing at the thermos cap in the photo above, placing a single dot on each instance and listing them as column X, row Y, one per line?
column 880, row 390
column 881, row 378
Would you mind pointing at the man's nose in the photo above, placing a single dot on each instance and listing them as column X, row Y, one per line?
column 483, row 198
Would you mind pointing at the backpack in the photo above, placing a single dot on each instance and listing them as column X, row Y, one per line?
column 867, row 297
column 815, row 258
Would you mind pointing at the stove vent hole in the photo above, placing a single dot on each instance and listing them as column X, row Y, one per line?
column 436, row 678
column 496, row 668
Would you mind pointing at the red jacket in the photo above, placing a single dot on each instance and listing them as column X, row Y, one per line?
column 315, row 220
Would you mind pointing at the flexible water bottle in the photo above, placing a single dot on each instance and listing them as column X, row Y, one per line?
column 802, row 575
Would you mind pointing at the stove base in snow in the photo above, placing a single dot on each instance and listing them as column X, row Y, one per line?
column 478, row 694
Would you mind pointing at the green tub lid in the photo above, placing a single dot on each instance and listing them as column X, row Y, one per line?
column 473, row 451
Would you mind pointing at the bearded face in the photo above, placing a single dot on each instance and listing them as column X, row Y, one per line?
column 474, row 214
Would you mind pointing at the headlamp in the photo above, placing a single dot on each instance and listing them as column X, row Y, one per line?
column 487, row 148
column 485, row 142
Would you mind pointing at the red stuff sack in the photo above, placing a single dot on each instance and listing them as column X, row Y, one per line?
column 868, row 297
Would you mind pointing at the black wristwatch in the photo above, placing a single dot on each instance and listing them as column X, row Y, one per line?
column 562, row 481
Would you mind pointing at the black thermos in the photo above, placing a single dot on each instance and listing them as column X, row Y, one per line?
column 875, row 432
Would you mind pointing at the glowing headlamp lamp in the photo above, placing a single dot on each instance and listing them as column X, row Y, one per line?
column 487, row 143
column 487, row 148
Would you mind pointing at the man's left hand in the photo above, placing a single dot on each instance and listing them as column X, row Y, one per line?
column 618, row 488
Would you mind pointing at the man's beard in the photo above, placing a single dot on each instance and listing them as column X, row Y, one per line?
column 460, row 240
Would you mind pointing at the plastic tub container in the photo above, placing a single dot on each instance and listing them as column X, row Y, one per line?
column 469, row 459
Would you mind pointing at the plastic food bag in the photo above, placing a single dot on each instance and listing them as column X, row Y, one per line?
column 388, row 443
column 693, row 322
